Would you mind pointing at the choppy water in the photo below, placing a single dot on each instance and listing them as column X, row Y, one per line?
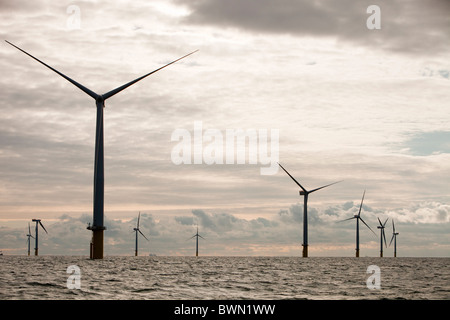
column 195, row 278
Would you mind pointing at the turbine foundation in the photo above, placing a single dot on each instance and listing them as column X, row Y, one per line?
column 305, row 251
column 96, row 246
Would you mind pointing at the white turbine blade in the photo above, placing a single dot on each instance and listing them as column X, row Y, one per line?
column 293, row 178
column 43, row 227
column 117, row 90
column 80, row 86
column 324, row 186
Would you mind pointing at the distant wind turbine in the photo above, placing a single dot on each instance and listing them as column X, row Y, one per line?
column 29, row 235
column 358, row 217
column 196, row 245
column 98, row 227
column 305, row 194
column 382, row 235
column 137, row 230
column 394, row 237
column 38, row 222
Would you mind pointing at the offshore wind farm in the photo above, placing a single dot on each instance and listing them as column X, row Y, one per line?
column 351, row 99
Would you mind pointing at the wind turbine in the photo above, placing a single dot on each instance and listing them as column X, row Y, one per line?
column 137, row 230
column 38, row 222
column 96, row 247
column 394, row 237
column 305, row 194
column 358, row 217
column 196, row 245
column 381, row 227
column 29, row 236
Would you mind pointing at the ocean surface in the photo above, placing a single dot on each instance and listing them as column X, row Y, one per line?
column 223, row 278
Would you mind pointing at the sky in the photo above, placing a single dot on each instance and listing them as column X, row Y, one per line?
column 329, row 89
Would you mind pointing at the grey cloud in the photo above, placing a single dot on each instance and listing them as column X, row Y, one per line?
column 406, row 26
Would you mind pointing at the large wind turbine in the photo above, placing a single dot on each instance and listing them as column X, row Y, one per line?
column 358, row 217
column 38, row 222
column 382, row 235
column 97, row 227
column 138, row 231
column 305, row 194
column 29, row 235
column 394, row 237
column 196, row 245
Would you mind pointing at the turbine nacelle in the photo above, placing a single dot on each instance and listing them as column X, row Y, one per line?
column 302, row 193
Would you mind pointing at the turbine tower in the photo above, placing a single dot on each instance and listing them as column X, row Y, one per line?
column 394, row 237
column 358, row 217
column 38, row 222
column 138, row 231
column 305, row 193
column 381, row 227
column 29, row 236
column 196, row 245
column 97, row 227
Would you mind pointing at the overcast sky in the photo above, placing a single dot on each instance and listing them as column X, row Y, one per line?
column 366, row 106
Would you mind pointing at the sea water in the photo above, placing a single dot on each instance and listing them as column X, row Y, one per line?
column 222, row 278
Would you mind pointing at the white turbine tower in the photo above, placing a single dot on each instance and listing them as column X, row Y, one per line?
column 305, row 194
column 358, row 217
column 97, row 227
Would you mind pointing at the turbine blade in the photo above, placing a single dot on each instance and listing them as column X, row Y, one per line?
column 346, row 219
column 384, row 236
column 80, row 86
column 367, row 225
column 139, row 216
column 379, row 221
column 117, row 90
column 201, row 237
column 393, row 226
column 293, row 178
column 192, row 237
column 324, row 186
column 143, row 235
column 29, row 229
column 384, row 224
column 359, row 213
column 393, row 235
column 43, row 227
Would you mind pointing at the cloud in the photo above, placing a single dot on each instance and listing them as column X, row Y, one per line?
column 428, row 143
column 227, row 234
column 406, row 26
